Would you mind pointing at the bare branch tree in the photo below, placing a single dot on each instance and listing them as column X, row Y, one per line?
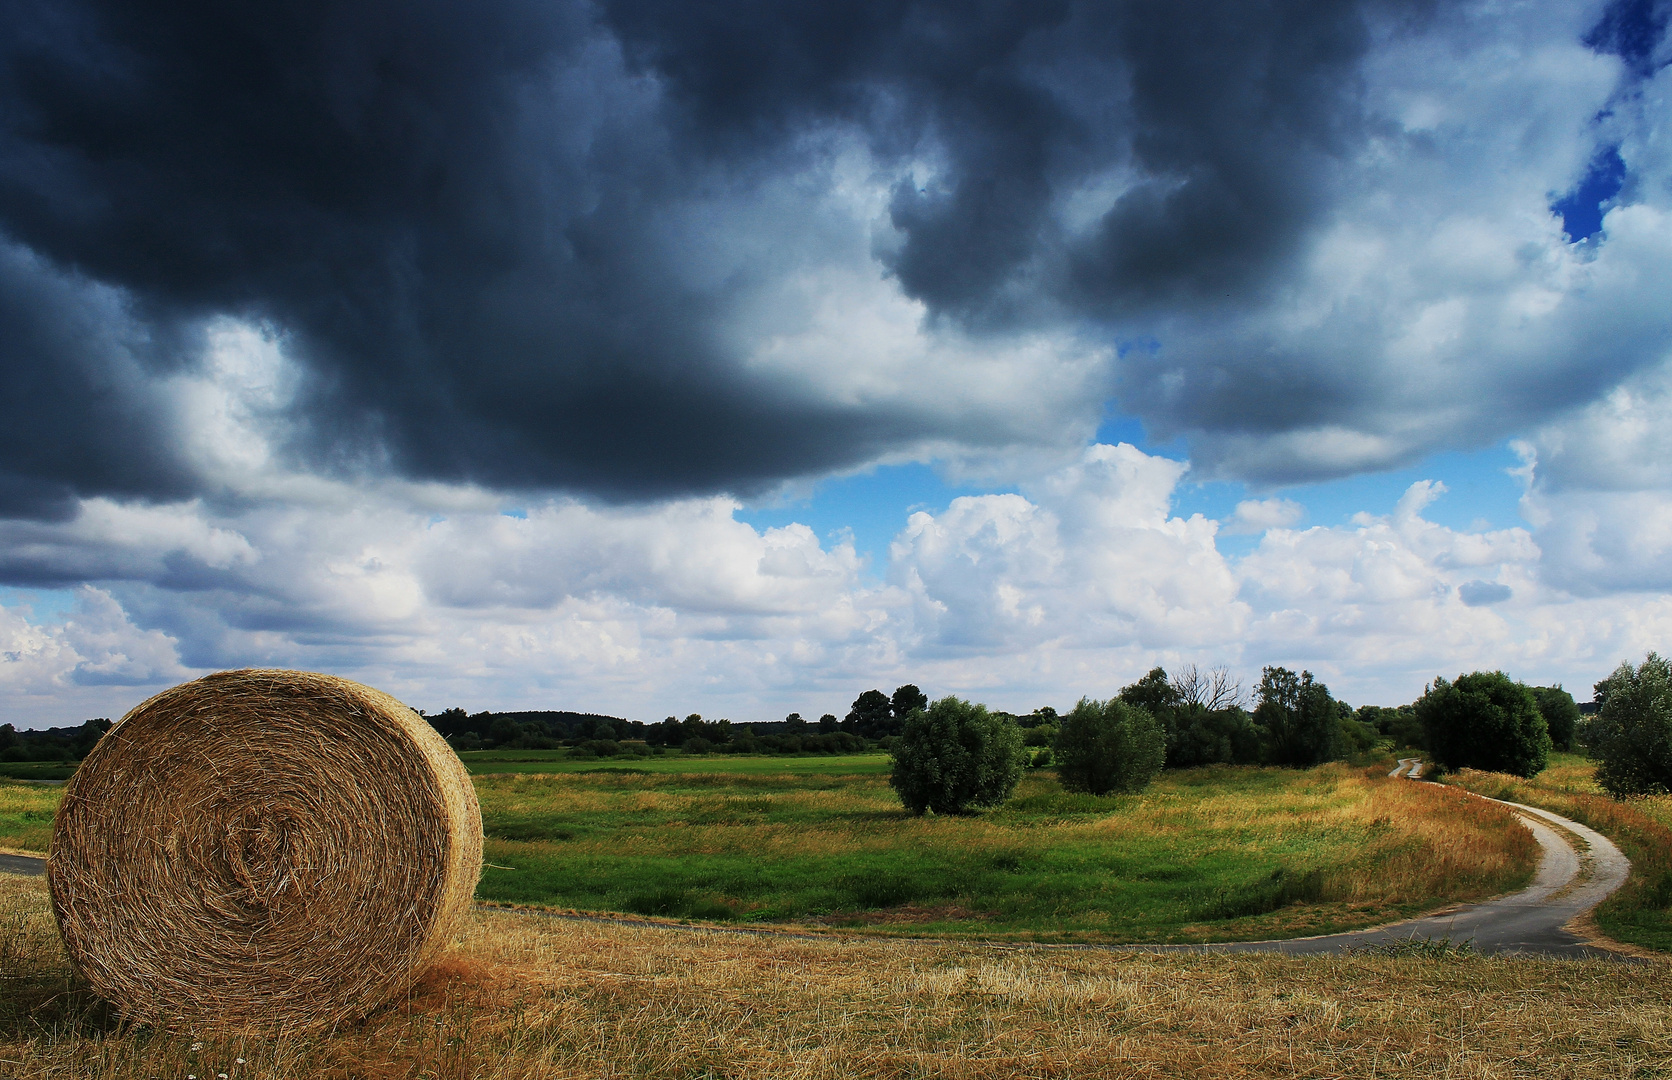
column 1212, row 690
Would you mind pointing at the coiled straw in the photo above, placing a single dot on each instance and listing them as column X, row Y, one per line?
column 275, row 847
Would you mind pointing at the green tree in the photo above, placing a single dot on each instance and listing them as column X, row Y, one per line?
column 1484, row 720
column 1560, row 712
column 955, row 757
column 1630, row 738
column 907, row 699
column 1105, row 746
column 1299, row 721
column 1154, row 692
column 870, row 715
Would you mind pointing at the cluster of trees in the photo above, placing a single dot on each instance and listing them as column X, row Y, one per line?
column 956, row 756
column 51, row 744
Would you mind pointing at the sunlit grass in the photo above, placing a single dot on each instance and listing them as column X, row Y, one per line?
column 26, row 812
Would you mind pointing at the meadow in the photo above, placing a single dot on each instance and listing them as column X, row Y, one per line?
column 1218, row 853
column 1205, row 854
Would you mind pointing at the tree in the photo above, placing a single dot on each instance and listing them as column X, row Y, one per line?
column 870, row 716
column 1560, row 712
column 955, row 757
column 1630, row 738
column 1299, row 720
column 907, row 699
column 1105, row 746
column 1154, row 692
column 1484, row 720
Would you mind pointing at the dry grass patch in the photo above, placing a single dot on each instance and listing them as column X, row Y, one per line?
column 523, row 997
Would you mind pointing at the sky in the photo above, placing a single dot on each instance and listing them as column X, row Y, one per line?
column 649, row 358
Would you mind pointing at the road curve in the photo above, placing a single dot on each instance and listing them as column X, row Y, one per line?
column 1578, row 867
column 1569, row 882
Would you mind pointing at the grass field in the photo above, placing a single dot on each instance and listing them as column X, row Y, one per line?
column 1641, row 911
column 1208, row 854
column 525, row 998
column 1211, row 854
column 26, row 812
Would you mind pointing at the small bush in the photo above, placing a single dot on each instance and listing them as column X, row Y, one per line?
column 956, row 757
column 1105, row 746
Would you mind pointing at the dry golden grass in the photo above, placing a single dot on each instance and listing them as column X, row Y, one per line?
column 524, row 997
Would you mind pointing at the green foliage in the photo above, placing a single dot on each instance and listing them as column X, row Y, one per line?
column 1300, row 722
column 1201, row 715
column 1197, row 735
column 1484, row 721
column 1631, row 737
column 1399, row 726
column 1154, row 692
column 1560, row 712
column 1358, row 736
column 956, row 757
column 1108, row 746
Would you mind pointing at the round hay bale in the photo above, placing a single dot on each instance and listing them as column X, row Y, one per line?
column 272, row 847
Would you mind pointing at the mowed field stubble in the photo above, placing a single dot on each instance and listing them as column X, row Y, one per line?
column 526, row 997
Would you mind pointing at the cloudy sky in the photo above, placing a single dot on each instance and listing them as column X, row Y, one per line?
column 651, row 357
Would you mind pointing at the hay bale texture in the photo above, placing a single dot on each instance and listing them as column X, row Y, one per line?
column 274, row 847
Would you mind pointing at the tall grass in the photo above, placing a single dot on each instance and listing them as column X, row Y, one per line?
column 26, row 812
column 1640, row 913
column 522, row 998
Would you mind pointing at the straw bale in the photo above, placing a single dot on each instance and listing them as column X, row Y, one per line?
column 263, row 846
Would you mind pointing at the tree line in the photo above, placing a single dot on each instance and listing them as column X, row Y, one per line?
column 957, row 756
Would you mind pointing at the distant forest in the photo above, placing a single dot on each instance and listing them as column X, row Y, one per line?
column 1207, row 716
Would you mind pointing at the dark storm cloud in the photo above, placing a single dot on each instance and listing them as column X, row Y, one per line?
column 473, row 223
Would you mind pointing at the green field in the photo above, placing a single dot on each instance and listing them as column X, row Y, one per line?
column 1207, row 854
column 1204, row 854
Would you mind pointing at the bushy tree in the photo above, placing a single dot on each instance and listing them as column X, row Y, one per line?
column 1630, row 738
column 1484, row 720
column 906, row 700
column 1154, row 692
column 1300, row 723
column 1560, row 712
column 955, row 757
column 1105, row 746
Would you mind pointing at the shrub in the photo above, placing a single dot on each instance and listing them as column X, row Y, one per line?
column 956, row 757
column 1631, row 736
column 1484, row 721
column 1105, row 746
